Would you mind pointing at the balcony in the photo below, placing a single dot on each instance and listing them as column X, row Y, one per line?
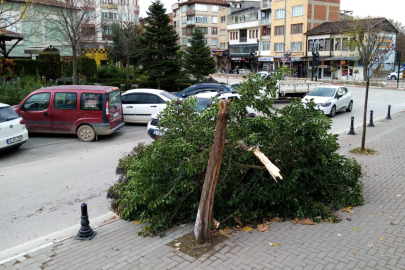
column 191, row 22
column 266, row 21
column 266, row 4
column 190, row 12
column 243, row 39
column 266, row 37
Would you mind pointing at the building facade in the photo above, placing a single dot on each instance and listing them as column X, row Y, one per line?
column 338, row 58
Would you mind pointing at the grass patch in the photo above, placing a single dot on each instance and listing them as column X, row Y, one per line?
column 366, row 151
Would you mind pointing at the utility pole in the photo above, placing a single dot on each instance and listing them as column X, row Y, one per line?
column 285, row 27
column 399, row 66
column 315, row 61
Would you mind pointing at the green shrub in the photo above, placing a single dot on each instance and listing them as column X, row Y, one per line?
column 51, row 65
column 87, row 66
column 28, row 67
column 109, row 71
column 161, row 183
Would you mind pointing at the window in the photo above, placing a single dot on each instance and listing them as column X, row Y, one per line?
column 149, row 99
column 201, row 7
column 265, row 46
column 203, row 29
column 321, row 45
column 267, row 31
column 338, row 44
column 296, row 46
column 214, row 31
column 124, row 17
column 296, row 28
column 183, row 31
column 345, row 46
column 310, row 44
column 114, row 99
column 223, row 32
column 89, row 31
column 38, row 102
column 201, row 19
column 108, row 16
column 257, row 33
column 214, row 19
column 91, row 102
column 297, row 11
column 279, row 30
column 205, row 41
column 223, row 19
column 106, row 30
column 280, row 14
column 184, row 20
column 223, row 45
column 184, row 41
column 183, row 9
column 130, row 99
column 8, row 114
column 88, row 15
column 278, row 47
column 214, row 42
column 327, row 44
column 214, row 8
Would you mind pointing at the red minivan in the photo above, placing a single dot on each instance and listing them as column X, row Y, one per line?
column 85, row 110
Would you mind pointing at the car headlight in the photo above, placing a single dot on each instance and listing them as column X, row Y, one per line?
column 326, row 104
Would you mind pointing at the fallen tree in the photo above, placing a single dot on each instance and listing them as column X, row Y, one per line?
column 161, row 183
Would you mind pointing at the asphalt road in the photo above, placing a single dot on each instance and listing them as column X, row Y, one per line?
column 43, row 183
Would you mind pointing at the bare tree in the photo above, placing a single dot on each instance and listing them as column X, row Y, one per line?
column 125, row 43
column 374, row 40
column 72, row 23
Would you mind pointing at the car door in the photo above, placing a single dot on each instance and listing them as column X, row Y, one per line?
column 64, row 113
column 129, row 102
column 340, row 102
column 36, row 112
column 346, row 98
column 147, row 105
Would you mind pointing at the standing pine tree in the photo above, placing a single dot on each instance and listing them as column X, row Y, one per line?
column 159, row 49
column 198, row 60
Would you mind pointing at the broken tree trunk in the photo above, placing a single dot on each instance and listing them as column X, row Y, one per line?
column 271, row 168
column 203, row 221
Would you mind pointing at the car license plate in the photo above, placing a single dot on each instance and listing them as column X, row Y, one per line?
column 14, row 139
column 158, row 132
column 115, row 114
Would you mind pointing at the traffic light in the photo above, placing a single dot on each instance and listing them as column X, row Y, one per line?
column 403, row 74
column 317, row 59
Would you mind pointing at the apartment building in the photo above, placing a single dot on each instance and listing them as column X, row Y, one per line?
column 203, row 14
column 283, row 24
column 243, row 28
column 221, row 54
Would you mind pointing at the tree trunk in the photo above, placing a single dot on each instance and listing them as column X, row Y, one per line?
column 203, row 221
column 74, row 66
column 127, row 67
column 363, row 136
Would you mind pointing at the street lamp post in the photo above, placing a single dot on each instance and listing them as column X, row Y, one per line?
column 285, row 26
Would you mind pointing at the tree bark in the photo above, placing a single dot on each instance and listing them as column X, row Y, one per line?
column 127, row 67
column 203, row 221
column 363, row 136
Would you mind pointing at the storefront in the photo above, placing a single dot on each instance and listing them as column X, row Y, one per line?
column 344, row 68
column 221, row 59
column 243, row 56
column 266, row 63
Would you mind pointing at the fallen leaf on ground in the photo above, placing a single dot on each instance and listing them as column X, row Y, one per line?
column 271, row 244
column 69, row 187
column 182, row 225
column 224, row 231
column 393, row 223
column 263, row 227
column 247, row 228
column 399, row 195
column 339, row 234
column 344, row 209
column 370, row 245
column 381, row 238
column 238, row 221
column 177, row 244
column 353, row 252
column 356, row 229
column 137, row 222
column 348, row 208
column 381, row 214
column 276, row 244
column 349, row 219
column 307, row 221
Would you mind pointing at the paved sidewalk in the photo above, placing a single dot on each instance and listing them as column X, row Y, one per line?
column 376, row 245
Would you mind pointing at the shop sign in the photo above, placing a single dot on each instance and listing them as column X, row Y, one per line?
column 266, row 59
column 295, row 59
column 322, row 66
column 236, row 59
column 218, row 53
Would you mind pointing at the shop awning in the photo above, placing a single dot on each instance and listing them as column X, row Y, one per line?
column 347, row 58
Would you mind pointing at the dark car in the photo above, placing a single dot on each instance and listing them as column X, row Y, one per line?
column 203, row 87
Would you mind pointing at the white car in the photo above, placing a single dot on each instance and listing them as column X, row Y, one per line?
column 12, row 128
column 393, row 75
column 330, row 99
column 203, row 101
column 140, row 104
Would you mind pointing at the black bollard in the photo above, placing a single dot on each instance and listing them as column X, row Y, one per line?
column 389, row 113
column 351, row 132
column 85, row 232
column 371, row 124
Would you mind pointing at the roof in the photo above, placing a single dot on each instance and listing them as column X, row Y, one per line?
column 9, row 35
column 346, row 26
column 243, row 10
column 212, row 2
column 78, row 87
column 144, row 90
column 344, row 58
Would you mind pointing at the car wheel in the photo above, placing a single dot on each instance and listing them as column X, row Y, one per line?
column 393, row 77
column 350, row 107
column 332, row 111
column 86, row 133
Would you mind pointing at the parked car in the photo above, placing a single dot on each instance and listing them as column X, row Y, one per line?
column 13, row 132
column 330, row 99
column 393, row 75
column 140, row 104
column 88, row 111
column 204, row 87
column 203, row 102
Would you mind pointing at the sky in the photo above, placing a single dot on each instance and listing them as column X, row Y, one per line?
column 391, row 9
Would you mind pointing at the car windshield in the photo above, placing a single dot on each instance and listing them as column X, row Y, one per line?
column 7, row 114
column 168, row 95
column 202, row 103
column 322, row 92
column 262, row 75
